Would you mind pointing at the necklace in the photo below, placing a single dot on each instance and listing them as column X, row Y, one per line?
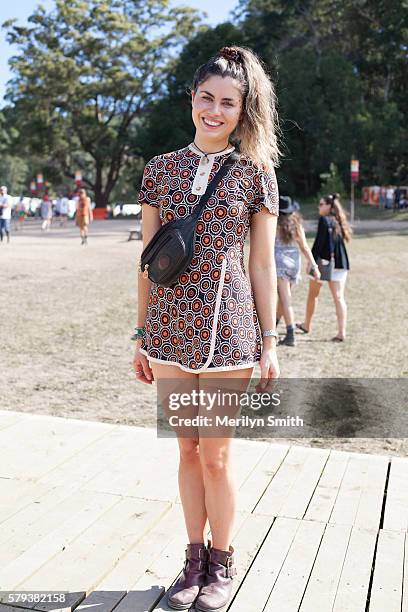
column 206, row 159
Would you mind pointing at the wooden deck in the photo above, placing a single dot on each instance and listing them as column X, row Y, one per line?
column 92, row 509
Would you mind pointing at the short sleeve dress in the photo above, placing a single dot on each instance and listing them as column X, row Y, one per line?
column 207, row 321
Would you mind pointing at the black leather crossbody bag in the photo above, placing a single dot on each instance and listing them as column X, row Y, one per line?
column 170, row 251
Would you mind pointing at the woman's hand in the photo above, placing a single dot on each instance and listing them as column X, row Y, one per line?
column 269, row 365
column 141, row 366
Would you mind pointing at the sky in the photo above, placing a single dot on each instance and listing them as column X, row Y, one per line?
column 217, row 10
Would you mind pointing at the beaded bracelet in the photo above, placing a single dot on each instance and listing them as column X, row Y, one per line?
column 138, row 332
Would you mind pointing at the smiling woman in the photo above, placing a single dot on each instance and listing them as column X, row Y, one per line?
column 214, row 322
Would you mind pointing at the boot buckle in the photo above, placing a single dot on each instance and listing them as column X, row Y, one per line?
column 204, row 555
column 230, row 569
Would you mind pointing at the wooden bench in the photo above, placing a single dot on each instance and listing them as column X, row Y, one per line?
column 135, row 233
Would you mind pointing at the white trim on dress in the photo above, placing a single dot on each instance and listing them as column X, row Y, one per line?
column 198, row 371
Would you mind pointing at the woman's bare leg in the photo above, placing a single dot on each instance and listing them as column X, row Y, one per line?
column 279, row 312
column 312, row 296
column 285, row 298
column 190, row 476
column 215, row 453
column 337, row 291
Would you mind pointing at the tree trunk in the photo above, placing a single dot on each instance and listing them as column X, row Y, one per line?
column 100, row 197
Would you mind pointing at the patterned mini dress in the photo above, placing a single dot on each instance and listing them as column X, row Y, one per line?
column 207, row 321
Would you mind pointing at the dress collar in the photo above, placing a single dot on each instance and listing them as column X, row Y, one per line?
column 209, row 155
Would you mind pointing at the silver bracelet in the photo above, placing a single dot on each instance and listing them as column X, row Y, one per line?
column 270, row 332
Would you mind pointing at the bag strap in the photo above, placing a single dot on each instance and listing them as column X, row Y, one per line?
column 212, row 185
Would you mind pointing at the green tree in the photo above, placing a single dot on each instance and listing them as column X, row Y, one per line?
column 84, row 76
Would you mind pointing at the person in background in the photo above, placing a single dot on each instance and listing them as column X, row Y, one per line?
column 63, row 210
column 397, row 198
column 83, row 215
column 5, row 213
column 389, row 197
column 290, row 242
column 332, row 233
column 21, row 212
column 46, row 213
column 382, row 199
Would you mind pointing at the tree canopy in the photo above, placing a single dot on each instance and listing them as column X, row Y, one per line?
column 98, row 86
column 84, row 75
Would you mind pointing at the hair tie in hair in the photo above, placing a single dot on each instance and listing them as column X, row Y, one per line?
column 231, row 54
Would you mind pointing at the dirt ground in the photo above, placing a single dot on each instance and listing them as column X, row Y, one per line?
column 67, row 312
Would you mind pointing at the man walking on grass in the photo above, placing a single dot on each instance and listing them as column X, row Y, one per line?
column 5, row 213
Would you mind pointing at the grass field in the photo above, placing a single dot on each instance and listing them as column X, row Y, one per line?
column 67, row 312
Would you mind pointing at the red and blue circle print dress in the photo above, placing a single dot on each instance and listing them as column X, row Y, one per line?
column 207, row 321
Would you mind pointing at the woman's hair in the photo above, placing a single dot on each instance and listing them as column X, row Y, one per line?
column 289, row 227
column 258, row 128
column 342, row 226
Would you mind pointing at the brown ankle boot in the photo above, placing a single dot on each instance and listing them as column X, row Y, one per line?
column 184, row 592
column 217, row 590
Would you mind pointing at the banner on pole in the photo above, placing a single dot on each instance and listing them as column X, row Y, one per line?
column 354, row 170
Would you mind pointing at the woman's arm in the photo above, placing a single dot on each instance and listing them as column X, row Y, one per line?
column 151, row 224
column 262, row 273
column 304, row 247
column 319, row 248
column 90, row 209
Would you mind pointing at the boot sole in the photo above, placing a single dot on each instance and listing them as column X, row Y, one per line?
column 224, row 607
column 179, row 606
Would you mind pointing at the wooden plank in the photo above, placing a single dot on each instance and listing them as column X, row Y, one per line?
column 371, row 501
column 16, row 494
column 386, row 591
column 354, row 581
column 38, row 443
column 322, row 586
column 103, row 601
column 396, row 506
column 262, row 574
column 348, row 499
column 296, row 503
column 132, row 566
column 96, row 550
column 325, row 494
column 283, row 481
column 290, row 585
column 38, row 519
column 257, row 481
column 9, row 418
column 64, row 601
column 405, row 582
column 15, row 567
column 246, row 455
column 151, row 475
column 120, row 448
column 247, row 542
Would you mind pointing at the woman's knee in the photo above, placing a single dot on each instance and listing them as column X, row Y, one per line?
column 189, row 449
column 215, row 464
column 314, row 288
